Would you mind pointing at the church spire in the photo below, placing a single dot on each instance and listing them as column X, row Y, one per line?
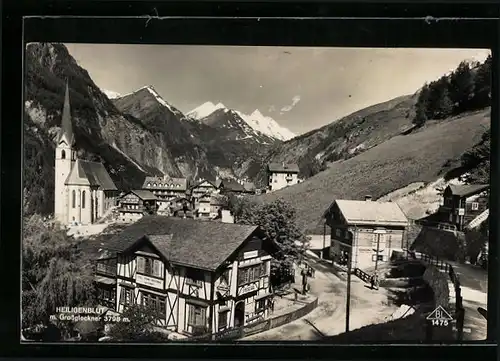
column 66, row 127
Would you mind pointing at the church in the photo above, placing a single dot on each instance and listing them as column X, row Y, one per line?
column 83, row 190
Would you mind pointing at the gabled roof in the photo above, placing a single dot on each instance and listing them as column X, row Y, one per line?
column 66, row 126
column 283, row 168
column 90, row 173
column 232, row 185
column 371, row 212
column 214, row 183
column 167, row 183
column 143, row 194
column 467, row 190
column 187, row 242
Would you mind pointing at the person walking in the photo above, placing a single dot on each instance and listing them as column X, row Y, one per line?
column 304, row 281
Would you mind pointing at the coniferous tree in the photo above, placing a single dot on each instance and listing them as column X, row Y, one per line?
column 422, row 106
column 482, row 84
column 462, row 87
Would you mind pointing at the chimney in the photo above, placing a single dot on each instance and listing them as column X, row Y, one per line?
column 368, row 198
column 226, row 216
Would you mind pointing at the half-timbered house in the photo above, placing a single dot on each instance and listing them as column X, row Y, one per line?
column 201, row 276
column 135, row 204
column 365, row 232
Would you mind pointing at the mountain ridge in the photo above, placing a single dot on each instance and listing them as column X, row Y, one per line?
column 256, row 120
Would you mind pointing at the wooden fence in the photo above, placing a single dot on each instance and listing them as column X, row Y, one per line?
column 365, row 277
column 448, row 268
column 257, row 327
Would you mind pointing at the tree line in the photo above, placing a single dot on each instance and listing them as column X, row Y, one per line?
column 467, row 88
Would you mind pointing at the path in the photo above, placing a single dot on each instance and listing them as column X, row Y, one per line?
column 474, row 282
column 328, row 319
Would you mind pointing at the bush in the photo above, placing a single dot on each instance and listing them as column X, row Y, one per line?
column 438, row 281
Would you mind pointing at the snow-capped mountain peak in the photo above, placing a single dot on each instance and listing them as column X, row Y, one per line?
column 205, row 110
column 266, row 125
column 111, row 94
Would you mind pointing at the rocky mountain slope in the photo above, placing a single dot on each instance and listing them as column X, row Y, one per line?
column 217, row 144
column 343, row 138
column 135, row 135
column 98, row 125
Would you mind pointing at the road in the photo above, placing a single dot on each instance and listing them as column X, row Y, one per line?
column 328, row 319
column 474, row 282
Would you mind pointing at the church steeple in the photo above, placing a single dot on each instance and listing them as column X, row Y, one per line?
column 66, row 127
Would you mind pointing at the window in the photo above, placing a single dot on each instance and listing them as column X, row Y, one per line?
column 338, row 232
column 83, row 199
column 260, row 305
column 63, row 154
column 193, row 277
column 263, row 269
column 126, row 296
column 378, row 242
column 148, row 266
column 155, row 301
column 248, row 274
column 73, row 199
column 475, row 206
column 379, row 257
column 105, row 294
column 196, row 315
column 223, row 319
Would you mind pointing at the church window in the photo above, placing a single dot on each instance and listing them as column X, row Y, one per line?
column 83, row 199
column 73, row 199
column 63, row 154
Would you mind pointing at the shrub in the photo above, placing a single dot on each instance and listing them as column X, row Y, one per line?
column 438, row 281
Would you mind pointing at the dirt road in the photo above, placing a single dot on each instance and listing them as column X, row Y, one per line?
column 328, row 319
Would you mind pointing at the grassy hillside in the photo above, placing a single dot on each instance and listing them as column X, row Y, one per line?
column 421, row 156
column 345, row 137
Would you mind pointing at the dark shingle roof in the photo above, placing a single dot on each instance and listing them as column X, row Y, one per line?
column 232, row 185
column 144, row 195
column 468, row 190
column 283, row 168
column 188, row 242
column 179, row 184
column 95, row 173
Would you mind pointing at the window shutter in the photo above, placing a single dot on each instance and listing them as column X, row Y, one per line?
column 156, row 268
column 140, row 264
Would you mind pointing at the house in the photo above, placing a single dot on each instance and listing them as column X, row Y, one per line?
column 201, row 193
column 282, row 175
column 135, row 204
column 165, row 189
column 371, row 230
column 105, row 279
column 179, row 203
column 201, row 276
column 231, row 186
column 463, row 203
column 83, row 191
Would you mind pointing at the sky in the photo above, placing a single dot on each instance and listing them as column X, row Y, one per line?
column 301, row 88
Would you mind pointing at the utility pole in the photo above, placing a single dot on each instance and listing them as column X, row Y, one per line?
column 378, row 249
column 348, row 298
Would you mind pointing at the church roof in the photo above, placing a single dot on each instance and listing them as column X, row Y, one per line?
column 93, row 172
column 66, row 127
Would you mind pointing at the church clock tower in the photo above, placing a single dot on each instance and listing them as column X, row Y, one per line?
column 64, row 160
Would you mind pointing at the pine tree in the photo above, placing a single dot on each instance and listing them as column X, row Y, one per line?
column 422, row 106
column 462, row 87
column 482, row 84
